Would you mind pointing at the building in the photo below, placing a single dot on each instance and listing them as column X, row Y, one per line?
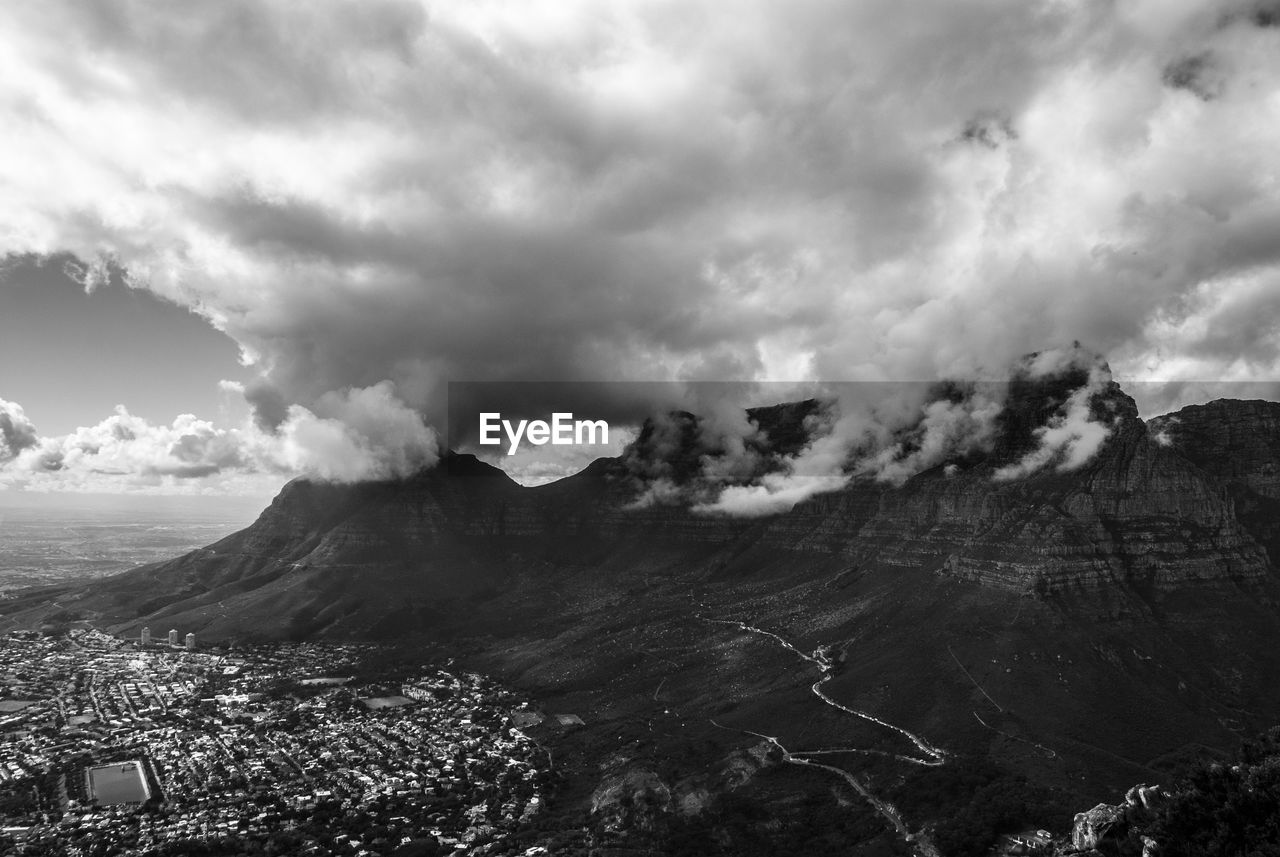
column 191, row 641
column 146, row 636
column 173, row 636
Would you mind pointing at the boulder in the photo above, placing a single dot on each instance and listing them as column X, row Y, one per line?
column 1101, row 826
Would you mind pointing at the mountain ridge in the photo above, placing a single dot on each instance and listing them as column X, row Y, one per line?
column 1147, row 510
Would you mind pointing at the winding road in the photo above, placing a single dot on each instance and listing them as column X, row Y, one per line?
column 930, row 755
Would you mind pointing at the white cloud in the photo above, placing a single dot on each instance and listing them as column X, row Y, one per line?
column 358, row 434
column 354, row 435
column 773, row 494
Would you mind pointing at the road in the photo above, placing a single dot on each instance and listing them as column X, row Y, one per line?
column 930, row 755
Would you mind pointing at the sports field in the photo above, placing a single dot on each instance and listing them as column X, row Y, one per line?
column 120, row 782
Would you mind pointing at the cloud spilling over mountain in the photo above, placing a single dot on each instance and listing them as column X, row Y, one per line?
column 1074, row 432
column 349, row 436
column 767, row 460
column 722, row 460
column 354, row 435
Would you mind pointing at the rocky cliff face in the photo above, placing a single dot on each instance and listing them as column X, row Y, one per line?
column 1237, row 442
column 1137, row 515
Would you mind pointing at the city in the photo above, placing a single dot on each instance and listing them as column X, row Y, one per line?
column 150, row 747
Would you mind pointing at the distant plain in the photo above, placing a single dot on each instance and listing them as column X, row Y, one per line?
column 47, row 539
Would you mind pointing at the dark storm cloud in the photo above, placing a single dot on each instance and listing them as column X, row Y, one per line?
column 419, row 192
column 1199, row 73
column 267, row 404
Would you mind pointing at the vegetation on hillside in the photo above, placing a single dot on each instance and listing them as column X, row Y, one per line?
column 1218, row 809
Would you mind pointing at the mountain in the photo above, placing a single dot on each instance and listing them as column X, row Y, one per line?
column 1085, row 628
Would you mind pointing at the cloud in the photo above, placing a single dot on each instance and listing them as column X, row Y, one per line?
column 353, row 435
column 887, row 432
column 1163, row 436
column 422, row 192
column 16, row 431
column 773, row 494
column 892, row 432
column 960, row 422
column 1075, row 431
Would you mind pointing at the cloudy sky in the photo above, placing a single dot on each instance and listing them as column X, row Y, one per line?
column 250, row 239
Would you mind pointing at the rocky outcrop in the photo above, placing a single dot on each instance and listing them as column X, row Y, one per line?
column 742, row 765
column 1101, row 826
column 629, row 800
column 632, row 797
column 1115, row 830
